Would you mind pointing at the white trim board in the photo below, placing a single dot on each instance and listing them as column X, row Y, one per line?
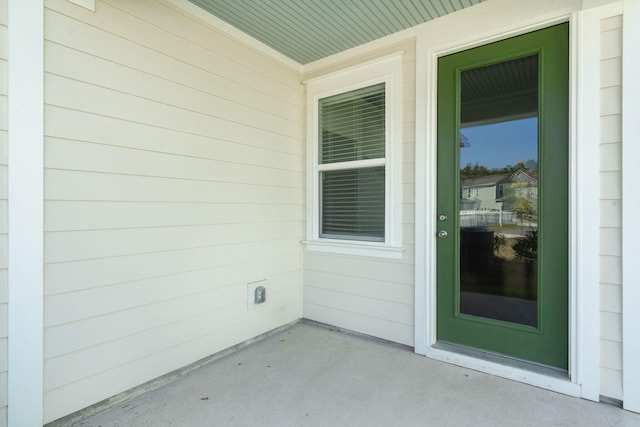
column 630, row 206
column 499, row 23
column 26, row 214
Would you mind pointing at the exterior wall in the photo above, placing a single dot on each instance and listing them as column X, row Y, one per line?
column 3, row 213
column 173, row 177
column 371, row 295
column 611, row 208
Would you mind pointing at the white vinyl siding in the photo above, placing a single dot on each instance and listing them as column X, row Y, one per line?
column 3, row 213
column 611, row 208
column 373, row 296
column 174, row 176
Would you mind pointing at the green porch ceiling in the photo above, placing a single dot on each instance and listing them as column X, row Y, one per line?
column 309, row 30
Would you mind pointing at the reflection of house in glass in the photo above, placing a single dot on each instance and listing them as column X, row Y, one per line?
column 483, row 192
column 506, row 192
column 520, row 193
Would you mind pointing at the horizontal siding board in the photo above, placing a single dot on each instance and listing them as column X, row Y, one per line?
column 4, row 320
column 409, row 150
column 75, row 185
column 611, row 213
column 408, row 236
column 611, row 100
column 74, row 336
column 611, row 298
column 280, row 153
column 359, row 304
column 89, row 215
column 108, row 355
column 4, row 148
column 4, row 82
column 610, row 269
column 611, row 383
column 611, row 326
column 4, row 251
column 78, row 275
column 70, row 337
column 118, row 160
column 3, row 386
column 80, row 394
column 611, row 23
column 360, row 267
column 3, row 353
column 408, row 172
column 611, row 354
column 611, row 43
column 408, row 192
column 376, row 289
column 611, row 72
column 368, row 325
column 200, row 34
column 611, row 241
column 4, row 47
column 74, row 306
column 3, row 216
column 77, row 95
column 79, row 245
column 136, row 45
column 3, row 109
column 611, row 129
column 611, row 185
column 611, row 157
column 218, row 101
column 4, row 294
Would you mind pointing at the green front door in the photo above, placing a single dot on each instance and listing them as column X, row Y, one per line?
column 502, row 203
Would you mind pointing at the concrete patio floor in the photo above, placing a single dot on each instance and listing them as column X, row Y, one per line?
column 311, row 375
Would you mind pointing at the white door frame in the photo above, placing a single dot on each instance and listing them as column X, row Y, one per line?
column 495, row 21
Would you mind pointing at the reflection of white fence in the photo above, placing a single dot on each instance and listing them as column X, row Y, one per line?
column 483, row 218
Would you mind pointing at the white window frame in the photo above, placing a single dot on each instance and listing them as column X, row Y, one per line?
column 388, row 70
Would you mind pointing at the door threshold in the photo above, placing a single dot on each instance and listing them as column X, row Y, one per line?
column 534, row 374
column 513, row 362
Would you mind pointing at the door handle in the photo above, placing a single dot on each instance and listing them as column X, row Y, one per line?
column 442, row 234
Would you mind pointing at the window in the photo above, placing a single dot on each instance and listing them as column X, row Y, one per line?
column 354, row 151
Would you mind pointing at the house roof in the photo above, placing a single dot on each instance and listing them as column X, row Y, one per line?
column 524, row 177
column 309, row 30
column 485, row 181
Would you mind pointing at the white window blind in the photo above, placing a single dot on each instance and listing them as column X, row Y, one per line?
column 352, row 164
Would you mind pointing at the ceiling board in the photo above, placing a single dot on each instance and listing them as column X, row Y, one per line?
column 309, row 30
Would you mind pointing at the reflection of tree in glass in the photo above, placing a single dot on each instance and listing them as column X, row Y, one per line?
column 523, row 207
column 476, row 170
column 499, row 241
column 526, row 248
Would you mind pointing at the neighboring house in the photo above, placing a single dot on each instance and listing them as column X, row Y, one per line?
column 498, row 192
column 158, row 164
column 484, row 192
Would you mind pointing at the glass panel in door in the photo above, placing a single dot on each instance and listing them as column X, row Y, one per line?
column 498, row 182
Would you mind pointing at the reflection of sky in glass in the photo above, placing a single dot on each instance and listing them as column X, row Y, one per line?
column 501, row 144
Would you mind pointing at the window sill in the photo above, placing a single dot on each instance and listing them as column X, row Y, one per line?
column 355, row 248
